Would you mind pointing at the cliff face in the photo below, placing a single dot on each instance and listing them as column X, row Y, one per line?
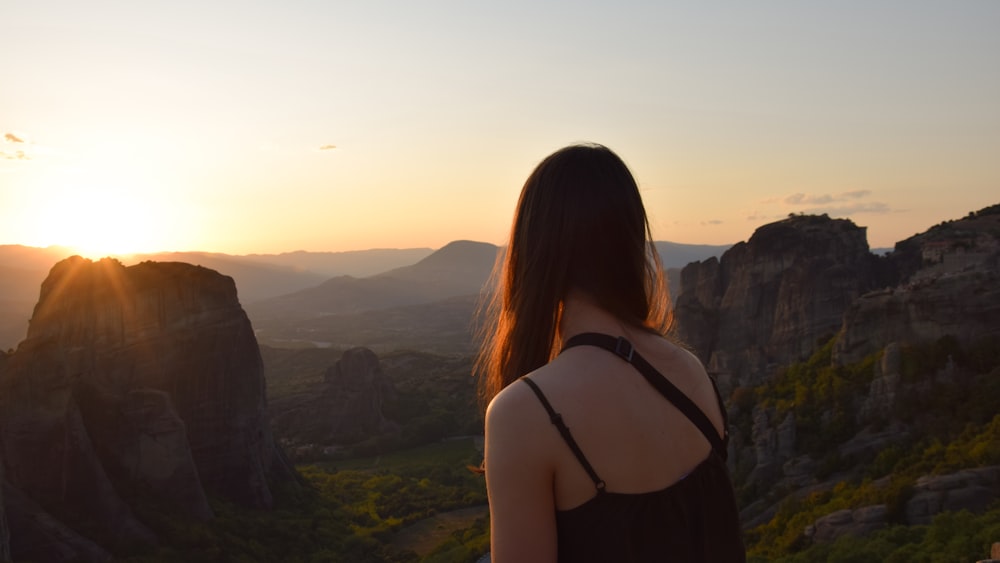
column 912, row 331
column 951, row 287
column 963, row 305
column 770, row 299
column 139, row 382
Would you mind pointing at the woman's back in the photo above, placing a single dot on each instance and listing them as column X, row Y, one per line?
column 656, row 488
column 635, row 439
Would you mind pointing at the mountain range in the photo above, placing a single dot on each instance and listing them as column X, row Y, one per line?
column 301, row 285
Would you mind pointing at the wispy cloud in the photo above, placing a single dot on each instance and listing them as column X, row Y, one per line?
column 759, row 216
column 844, row 203
column 875, row 207
column 16, row 152
column 327, row 147
column 712, row 222
column 823, row 199
column 16, row 155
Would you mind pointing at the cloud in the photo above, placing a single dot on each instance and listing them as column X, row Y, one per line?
column 712, row 222
column 796, row 199
column 327, row 147
column 823, row 199
column 16, row 155
column 22, row 150
column 875, row 208
column 840, row 205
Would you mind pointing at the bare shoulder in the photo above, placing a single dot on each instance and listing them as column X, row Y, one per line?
column 511, row 405
column 513, row 420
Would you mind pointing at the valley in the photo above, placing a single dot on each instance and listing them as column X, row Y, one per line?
column 861, row 390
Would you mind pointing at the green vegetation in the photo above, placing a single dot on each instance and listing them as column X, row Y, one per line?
column 821, row 395
column 946, row 401
column 953, row 537
column 352, row 513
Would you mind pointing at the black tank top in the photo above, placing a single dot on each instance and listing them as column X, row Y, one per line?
column 694, row 520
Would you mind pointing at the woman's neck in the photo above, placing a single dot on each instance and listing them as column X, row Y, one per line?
column 580, row 314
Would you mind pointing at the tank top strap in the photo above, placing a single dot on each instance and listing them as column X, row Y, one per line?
column 624, row 350
column 557, row 420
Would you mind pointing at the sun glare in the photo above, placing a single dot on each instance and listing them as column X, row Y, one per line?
column 99, row 214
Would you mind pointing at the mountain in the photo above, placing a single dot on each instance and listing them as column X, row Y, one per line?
column 459, row 268
column 288, row 287
column 255, row 279
column 677, row 255
column 257, row 276
column 861, row 389
column 358, row 263
column 136, row 387
column 428, row 305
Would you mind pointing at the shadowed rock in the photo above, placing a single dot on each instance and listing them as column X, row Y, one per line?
column 347, row 409
column 770, row 299
column 138, row 382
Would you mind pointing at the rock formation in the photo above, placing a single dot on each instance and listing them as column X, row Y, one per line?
column 772, row 301
column 359, row 389
column 346, row 410
column 949, row 287
column 969, row 489
column 964, row 305
column 134, row 383
column 769, row 300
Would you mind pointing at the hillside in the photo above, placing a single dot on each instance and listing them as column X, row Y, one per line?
column 862, row 390
column 429, row 305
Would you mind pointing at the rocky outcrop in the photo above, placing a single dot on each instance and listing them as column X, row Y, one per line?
column 949, row 287
column 971, row 489
column 358, row 389
column 348, row 407
column 964, row 305
column 884, row 388
column 847, row 522
column 773, row 444
column 136, row 383
column 769, row 300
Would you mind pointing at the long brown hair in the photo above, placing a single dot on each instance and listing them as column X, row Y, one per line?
column 580, row 224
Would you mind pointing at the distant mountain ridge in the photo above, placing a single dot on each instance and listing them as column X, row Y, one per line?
column 417, row 275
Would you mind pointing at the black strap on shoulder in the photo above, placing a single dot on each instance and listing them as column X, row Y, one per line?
column 623, row 349
column 557, row 420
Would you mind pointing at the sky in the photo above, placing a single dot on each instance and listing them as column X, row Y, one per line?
column 266, row 127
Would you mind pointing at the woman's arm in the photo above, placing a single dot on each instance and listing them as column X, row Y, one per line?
column 519, row 479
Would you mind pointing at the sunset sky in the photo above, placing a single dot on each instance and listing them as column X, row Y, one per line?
column 262, row 126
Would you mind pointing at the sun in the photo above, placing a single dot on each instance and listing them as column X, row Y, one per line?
column 98, row 214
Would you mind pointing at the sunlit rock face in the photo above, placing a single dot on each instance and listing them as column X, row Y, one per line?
column 769, row 300
column 139, row 381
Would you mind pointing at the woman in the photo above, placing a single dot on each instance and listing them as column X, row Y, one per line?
column 605, row 441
